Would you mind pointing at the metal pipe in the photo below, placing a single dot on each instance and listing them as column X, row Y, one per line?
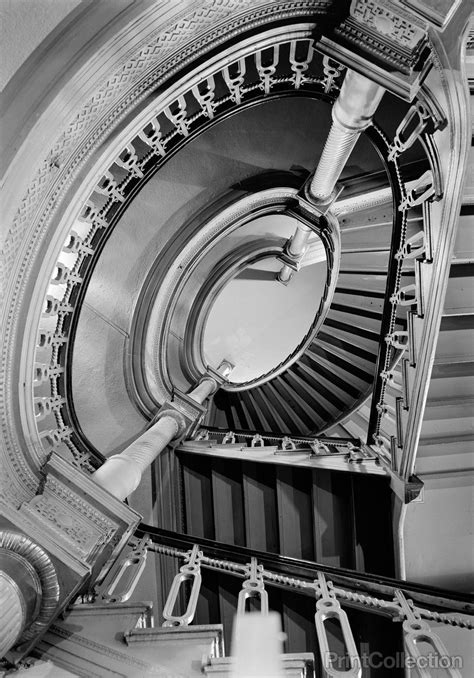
column 296, row 249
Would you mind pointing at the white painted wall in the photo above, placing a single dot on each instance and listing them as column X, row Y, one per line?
column 24, row 24
column 439, row 545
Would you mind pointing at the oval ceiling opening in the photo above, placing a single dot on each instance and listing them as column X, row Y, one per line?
column 256, row 322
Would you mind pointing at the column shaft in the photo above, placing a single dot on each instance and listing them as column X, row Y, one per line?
column 351, row 114
column 13, row 610
column 121, row 474
column 203, row 390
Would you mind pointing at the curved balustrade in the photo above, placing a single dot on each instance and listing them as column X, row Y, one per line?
column 178, row 118
column 424, row 256
column 333, row 589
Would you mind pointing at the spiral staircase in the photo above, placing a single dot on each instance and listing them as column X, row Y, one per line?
column 336, row 372
column 148, row 250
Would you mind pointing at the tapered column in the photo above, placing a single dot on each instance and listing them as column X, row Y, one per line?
column 351, row 114
column 121, row 474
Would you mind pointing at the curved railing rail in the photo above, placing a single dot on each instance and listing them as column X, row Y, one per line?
column 435, row 123
column 277, row 67
column 413, row 605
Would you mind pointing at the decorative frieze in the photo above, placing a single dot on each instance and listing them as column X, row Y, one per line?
column 399, row 27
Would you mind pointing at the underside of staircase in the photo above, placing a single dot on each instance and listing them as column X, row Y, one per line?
column 239, row 367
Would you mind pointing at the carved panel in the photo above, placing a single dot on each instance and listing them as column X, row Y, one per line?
column 71, row 518
column 380, row 17
column 387, row 32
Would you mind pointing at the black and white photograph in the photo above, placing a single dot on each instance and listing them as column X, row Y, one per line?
column 236, row 339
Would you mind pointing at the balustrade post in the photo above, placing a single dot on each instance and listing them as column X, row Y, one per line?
column 253, row 587
column 328, row 607
column 190, row 571
column 417, row 631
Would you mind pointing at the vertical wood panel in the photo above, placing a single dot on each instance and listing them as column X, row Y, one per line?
column 207, row 610
column 198, row 496
column 229, row 588
column 295, row 510
column 261, row 522
column 333, row 520
column 228, row 501
column 298, row 622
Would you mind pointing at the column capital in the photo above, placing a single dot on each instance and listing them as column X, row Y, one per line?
column 186, row 411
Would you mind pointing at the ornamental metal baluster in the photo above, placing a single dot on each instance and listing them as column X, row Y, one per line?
column 267, row 71
column 405, row 296
column 203, row 434
column 46, row 406
column 204, row 93
column 190, row 571
column 418, row 191
column 76, row 245
column 235, row 80
column 299, row 67
column 416, row 631
column 368, row 593
column 413, row 247
column 57, row 436
column 91, row 214
column 178, row 115
column 332, row 71
column 229, row 438
column 287, row 444
column 63, row 274
column 108, row 186
column 43, row 372
column 417, row 119
column 53, row 306
column 128, row 160
column 328, row 607
column 253, row 587
column 125, row 574
column 320, row 449
column 151, row 135
column 47, row 339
